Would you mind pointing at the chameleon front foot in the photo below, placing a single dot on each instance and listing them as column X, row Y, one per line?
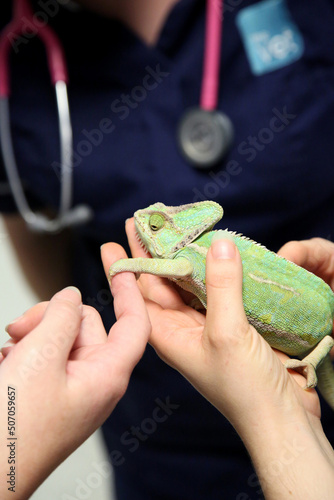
column 305, row 368
column 309, row 364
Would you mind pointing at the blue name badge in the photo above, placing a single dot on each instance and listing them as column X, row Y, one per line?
column 270, row 36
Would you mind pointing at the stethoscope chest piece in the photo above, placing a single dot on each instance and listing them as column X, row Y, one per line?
column 205, row 137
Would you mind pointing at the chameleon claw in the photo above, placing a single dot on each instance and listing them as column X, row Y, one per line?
column 196, row 304
column 306, row 369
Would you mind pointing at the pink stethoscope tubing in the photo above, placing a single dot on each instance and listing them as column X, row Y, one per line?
column 205, row 134
column 55, row 55
column 212, row 52
column 67, row 215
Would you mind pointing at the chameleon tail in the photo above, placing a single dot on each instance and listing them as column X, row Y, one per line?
column 325, row 374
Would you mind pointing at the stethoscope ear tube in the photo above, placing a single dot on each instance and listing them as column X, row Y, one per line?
column 38, row 222
column 10, row 163
column 66, row 151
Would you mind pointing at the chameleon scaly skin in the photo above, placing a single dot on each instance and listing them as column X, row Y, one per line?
column 290, row 307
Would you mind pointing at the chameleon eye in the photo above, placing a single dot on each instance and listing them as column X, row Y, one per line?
column 156, row 222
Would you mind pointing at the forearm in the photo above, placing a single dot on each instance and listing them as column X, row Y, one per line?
column 291, row 456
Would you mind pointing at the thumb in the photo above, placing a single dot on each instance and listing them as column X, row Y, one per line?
column 225, row 311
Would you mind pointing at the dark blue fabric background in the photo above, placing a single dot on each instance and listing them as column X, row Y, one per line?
column 285, row 192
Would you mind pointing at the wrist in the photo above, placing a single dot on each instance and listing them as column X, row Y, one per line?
column 290, row 453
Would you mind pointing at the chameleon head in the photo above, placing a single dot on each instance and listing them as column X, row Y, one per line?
column 165, row 230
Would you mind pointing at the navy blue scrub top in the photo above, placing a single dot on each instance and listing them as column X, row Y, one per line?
column 276, row 184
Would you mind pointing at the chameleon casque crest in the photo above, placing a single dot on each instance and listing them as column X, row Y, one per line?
column 290, row 307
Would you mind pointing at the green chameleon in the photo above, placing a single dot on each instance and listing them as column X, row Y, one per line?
column 290, row 307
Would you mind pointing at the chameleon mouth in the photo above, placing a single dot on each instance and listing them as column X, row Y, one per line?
column 141, row 243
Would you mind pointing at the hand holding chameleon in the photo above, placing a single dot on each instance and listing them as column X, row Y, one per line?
column 290, row 307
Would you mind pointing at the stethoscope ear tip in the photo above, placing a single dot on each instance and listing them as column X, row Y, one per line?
column 81, row 214
column 205, row 137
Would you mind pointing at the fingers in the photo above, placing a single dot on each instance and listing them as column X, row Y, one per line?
column 92, row 331
column 56, row 333
column 127, row 297
column 182, row 341
column 296, row 251
column 176, row 335
column 27, row 322
column 130, row 334
column 7, row 347
column 315, row 255
column 128, row 337
column 110, row 253
column 225, row 312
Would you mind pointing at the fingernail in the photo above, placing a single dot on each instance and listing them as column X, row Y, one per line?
column 222, row 234
column 74, row 288
column 9, row 343
column 101, row 247
column 222, row 245
column 12, row 322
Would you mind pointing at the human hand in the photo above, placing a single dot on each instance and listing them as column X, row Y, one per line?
column 316, row 255
column 68, row 376
column 202, row 347
column 226, row 360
